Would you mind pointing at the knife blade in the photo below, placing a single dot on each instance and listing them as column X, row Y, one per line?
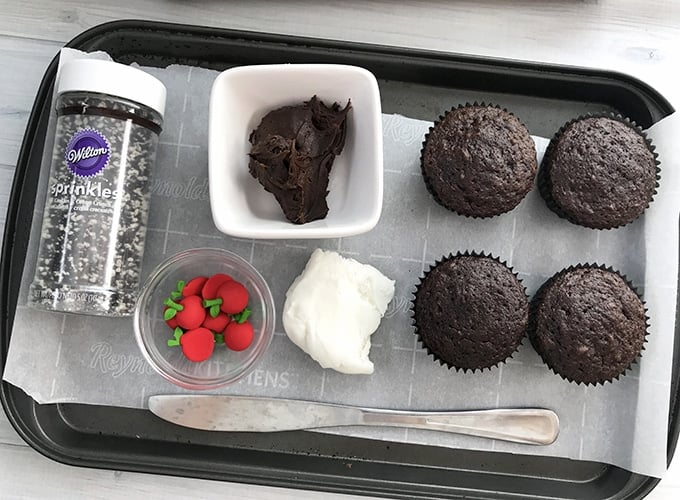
column 258, row 414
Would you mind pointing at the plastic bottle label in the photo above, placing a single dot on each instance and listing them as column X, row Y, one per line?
column 87, row 153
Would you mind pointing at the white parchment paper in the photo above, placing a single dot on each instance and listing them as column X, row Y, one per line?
column 70, row 358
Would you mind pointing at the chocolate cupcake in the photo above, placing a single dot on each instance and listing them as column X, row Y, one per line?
column 479, row 161
column 599, row 171
column 588, row 324
column 470, row 311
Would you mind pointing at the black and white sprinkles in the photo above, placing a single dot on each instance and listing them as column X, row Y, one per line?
column 94, row 222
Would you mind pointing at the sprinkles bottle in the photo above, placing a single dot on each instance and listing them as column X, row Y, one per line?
column 109, row 116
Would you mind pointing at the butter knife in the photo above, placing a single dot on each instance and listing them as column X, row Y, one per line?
column 257, row 414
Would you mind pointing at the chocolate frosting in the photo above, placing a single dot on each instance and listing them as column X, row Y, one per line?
column 292, row 154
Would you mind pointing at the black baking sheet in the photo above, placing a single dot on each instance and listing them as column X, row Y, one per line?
column 413, row 83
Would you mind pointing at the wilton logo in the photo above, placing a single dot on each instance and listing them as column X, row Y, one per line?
column 87, row 153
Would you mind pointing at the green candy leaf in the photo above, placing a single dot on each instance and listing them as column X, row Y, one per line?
column 212, row 302
column 169, row 313
column 242, row 316
column 173, row 305
column 177, row 334
column 180, row 286
column 219, row 338
column 214, row 310
column 175, row 295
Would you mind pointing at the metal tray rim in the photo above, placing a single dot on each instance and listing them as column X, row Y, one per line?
column 638, row 486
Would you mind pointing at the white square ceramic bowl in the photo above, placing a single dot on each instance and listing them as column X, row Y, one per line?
column 239, row 100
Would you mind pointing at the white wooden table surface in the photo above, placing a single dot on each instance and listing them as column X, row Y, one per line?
column 640, row 37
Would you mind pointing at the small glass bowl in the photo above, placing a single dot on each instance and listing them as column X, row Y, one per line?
column 152, row 333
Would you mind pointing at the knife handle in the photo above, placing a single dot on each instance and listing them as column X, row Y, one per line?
column 529, row 426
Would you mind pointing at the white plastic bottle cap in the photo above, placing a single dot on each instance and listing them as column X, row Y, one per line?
column 115, row 79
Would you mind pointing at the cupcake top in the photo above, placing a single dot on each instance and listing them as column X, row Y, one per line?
column 588, row 325
column 599, row 172
column 470, row 312
column 479, row 161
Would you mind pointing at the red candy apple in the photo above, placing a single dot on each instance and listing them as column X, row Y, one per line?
column 216, row 324
column 238, row 336
column 234, row 297
column 192, row 313
column 213, row 310
column 209, row 290
column 194, row 286
column 197, row 344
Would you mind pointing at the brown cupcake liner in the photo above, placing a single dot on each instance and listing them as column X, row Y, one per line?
column 544, row 182
column 538, row 298
column 429, row 187
column 422, row 342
